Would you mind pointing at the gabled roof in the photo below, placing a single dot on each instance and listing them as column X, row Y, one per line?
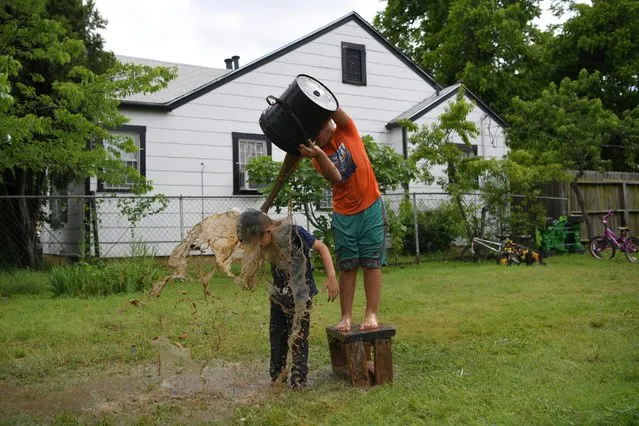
column 187, row 96
column 437, row 99
column 188, row 79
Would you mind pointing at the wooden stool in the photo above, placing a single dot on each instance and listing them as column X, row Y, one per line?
column 351, row 354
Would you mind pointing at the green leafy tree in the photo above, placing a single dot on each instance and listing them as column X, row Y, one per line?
column 436, row 145
column 59, row 97
column 489, row 45
column 510, row 189
column 601, row 36
column 566, row 128
column 499, row 181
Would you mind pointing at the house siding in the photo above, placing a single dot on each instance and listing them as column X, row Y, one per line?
column 200, row 131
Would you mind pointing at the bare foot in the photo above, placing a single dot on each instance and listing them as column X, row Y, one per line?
column 369, row 323
column 344, row 325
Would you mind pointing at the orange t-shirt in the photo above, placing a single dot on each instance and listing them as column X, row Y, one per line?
column 358, row 188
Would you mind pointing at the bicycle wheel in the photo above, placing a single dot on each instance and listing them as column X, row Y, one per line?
column 467, row 255
column 507, row 259
column 602, row 248
column 534, row 257
column 480, row 253
column 632, row 249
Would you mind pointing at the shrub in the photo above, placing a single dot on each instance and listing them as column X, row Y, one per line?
column 437, row 228
column 86, row 280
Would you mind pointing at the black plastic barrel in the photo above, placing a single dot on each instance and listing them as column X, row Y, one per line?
column 299, row 114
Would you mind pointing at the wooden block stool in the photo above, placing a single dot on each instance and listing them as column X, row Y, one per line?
column 364, row 356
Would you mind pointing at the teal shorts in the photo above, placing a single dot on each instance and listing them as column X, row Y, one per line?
column 360, row 239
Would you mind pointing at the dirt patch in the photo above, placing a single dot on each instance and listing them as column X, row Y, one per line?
column 140, row 392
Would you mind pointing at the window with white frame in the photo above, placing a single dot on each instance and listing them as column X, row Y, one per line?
column 135, row 160
column 246, row 147
column 326, row 203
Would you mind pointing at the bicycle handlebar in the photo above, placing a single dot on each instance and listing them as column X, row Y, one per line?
column 606, row 216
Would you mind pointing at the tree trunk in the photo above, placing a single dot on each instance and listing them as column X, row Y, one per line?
column 584, row 209
column 464, row 216
column 18, row 244
column 18, row 219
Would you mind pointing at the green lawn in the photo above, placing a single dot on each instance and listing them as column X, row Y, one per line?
column 476, row 343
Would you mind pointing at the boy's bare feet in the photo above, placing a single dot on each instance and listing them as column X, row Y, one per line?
column 344, row 325
column 369, row 323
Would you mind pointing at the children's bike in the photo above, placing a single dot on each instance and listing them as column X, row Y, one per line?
column 506, row 251
column 605, row 246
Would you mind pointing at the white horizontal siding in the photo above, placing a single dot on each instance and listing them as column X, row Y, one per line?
column 201, row 130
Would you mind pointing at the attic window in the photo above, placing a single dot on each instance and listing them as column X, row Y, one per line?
column 354, row 64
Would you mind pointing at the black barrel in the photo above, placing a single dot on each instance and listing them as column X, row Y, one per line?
column 299, row 114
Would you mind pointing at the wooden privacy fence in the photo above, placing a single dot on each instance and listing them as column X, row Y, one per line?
column 601, row 192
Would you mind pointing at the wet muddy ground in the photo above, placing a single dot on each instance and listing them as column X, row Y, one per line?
column 138, row 393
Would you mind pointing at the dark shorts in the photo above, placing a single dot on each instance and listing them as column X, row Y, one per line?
column 360, row 239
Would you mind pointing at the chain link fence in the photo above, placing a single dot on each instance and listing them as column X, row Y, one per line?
column 123, row 226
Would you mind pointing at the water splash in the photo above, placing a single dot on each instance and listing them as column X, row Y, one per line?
column 216, row 232
column 181, row 376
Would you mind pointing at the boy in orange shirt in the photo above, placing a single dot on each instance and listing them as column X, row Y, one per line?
column 358, row 221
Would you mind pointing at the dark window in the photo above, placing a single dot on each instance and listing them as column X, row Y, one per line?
column 467, row 152
column 137, row 160
column 354, row 63
column 245, row 147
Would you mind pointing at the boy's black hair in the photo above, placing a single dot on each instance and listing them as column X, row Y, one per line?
column 251, row 224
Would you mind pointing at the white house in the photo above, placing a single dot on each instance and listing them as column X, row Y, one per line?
column 197, row 135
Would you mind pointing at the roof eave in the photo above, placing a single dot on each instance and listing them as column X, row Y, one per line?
column 145, row 105
column 353, row 16
column 438, row 101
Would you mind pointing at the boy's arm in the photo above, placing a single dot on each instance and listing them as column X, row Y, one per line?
column 326, row 167
column 331, row 280
column 340, row 117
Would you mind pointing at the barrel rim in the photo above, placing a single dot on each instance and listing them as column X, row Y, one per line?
column 321, row 84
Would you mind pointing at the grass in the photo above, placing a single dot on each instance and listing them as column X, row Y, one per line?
column 23, row 282
column 476, row 343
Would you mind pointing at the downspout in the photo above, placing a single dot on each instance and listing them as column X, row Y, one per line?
column 405, row 152
column 481, row 133
column 404, row 143
column 87, row 219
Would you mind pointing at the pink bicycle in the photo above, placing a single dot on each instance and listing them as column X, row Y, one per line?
column 606, row 245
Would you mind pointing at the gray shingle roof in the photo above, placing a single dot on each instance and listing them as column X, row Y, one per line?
column 432, row 101
column 426, row 103
column 189, row 78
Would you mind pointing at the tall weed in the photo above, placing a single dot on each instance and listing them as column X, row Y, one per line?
column 87, row 280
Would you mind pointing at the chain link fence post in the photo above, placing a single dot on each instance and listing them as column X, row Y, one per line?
column 416, row 228
column 181, row 217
